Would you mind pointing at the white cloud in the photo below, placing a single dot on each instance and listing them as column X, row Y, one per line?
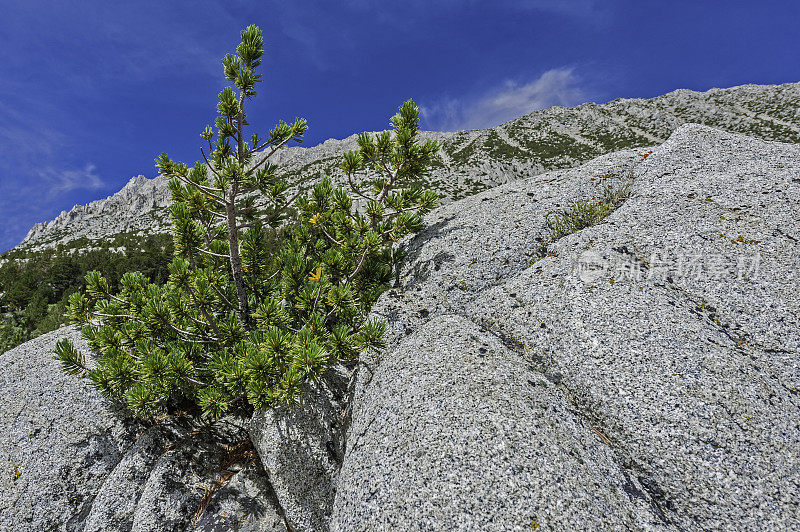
column 558, row 86
column 61, row 181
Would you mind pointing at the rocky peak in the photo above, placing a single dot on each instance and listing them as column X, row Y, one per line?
column 473, row 161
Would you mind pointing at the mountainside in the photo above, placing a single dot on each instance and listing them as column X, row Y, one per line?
column 638, row 373
column 472, row 161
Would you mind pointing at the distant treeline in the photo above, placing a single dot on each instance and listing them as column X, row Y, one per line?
column 35, row 286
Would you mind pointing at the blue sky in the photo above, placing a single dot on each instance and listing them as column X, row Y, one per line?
column 92, row 91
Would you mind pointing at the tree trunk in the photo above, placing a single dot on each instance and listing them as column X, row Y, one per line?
column 236, row 263
column 233, row 232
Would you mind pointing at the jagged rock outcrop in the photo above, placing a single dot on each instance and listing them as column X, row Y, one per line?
column 643, row 374
column 139, row 208
column 71, row 462
column 473, row 161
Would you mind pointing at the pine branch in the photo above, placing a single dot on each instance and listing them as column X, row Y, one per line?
column 72, row 361
column 267, row 219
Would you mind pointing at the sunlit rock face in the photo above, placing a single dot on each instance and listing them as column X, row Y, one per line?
column 639, row 373
column 642, row 373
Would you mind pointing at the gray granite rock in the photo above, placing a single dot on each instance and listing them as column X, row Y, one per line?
column 457, row 432
column 244, row 504
column 70, row 462
column 301, row 450
column 668, row 334
column 58, row 439
column 115, row 504
column 169, row 497
column 198, row 482
column 639, row 374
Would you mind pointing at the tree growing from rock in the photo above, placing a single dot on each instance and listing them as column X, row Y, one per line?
column 268, row 286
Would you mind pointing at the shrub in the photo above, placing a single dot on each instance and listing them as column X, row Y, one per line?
column 246, row 319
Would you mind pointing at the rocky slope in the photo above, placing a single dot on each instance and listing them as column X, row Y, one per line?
column 472, row 161
column 642, row 374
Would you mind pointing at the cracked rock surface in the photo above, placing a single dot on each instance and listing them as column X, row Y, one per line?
column 639, row 374
column 642, row 373
column 300, row 449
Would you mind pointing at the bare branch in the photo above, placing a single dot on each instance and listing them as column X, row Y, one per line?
column 215, row 213
column 209, row 338
column 333, row 240
column 203, row 189
column 267, row 143
column 226, row 256
column 355, row 190
column 415, row 207
column 212, row 323
column 358, row 266
column 126, row 316
column 225, row 299
column 316, row 299
column 198, row 322
column 210, row 166
column 266, row 158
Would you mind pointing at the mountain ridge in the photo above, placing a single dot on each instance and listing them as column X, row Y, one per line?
column 474, row 160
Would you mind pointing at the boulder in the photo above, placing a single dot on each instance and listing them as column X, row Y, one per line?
column 59, row 439
column 73, row 461
column 301, row 449
column 642, row 373
column 458, row 432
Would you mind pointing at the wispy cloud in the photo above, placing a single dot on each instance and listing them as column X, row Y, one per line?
column 37, row 199
column 559, row 86
column 60, row 181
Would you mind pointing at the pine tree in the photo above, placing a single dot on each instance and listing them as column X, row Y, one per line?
column 258, row 302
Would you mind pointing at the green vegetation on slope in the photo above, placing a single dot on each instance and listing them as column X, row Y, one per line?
column 35, row 286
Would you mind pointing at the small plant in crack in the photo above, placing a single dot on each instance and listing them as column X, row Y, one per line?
column 586, row 213
column 582, row 214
